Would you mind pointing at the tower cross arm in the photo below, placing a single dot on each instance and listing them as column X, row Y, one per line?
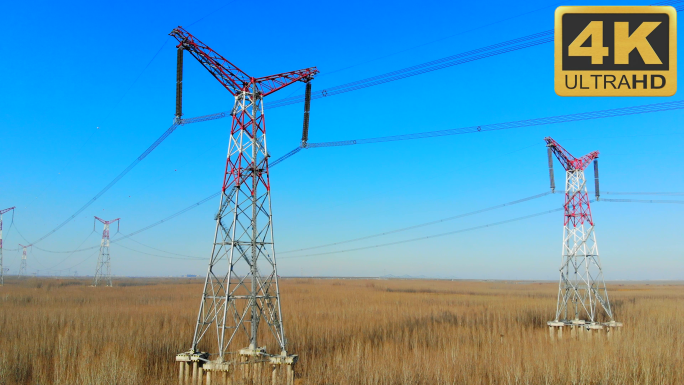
column 568, row 161
column 227, row 73
column 270, row 84
column 6, row 210
column 107, row 222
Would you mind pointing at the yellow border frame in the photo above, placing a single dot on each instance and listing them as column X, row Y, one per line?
column 670, row 88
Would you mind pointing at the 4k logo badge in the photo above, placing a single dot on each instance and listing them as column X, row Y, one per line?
column 616, row 51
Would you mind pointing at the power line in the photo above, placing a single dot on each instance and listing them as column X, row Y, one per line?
column 642, row 201
column 433, row 65
column 477, row 54
column 334, row 90
column 140, row 74
column 7, row 234
column 629, row 193
column 601, row 114
column 111, row 109
column 125, row 247
column 643, row 193
column 123, row 173
column 440, row 39
column 151, row 148
column 210, row 13
column 449, row 61
column 426, row 223
column 31, row 250
column 355, row 239
column 459, row 231
column 431, row 236
column 282, row 158
column 528, row 41
column 87, row 258
column 507, row 46
column 72, row 253
column 163, row 251
column 464, row 32
column 194, row 205
column 648, row 108
column 161, row 256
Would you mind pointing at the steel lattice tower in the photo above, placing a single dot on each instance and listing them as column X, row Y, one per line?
column 240, row 306
column 582, row 289
column 22, row 267
column 103, row 269
column 2, row 266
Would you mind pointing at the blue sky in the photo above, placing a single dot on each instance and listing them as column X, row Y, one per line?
column 80, row 103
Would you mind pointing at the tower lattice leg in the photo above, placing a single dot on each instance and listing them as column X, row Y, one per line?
column 240, row 306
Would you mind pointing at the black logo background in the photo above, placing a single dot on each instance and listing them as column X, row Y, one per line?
column 574, row 24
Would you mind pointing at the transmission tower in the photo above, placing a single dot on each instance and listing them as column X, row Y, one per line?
column 240, row 306
column 22, row 267
column 2, row 267
column 103, row 269
column 582, row 289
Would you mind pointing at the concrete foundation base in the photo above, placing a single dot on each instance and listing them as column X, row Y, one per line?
column 253, row 366
column 580, row 329
column 190, row 367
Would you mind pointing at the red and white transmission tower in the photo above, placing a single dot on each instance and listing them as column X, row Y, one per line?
column 103, row 269
column 582, row 289
column 2, row 267
column 241, row 287
column 22, row 267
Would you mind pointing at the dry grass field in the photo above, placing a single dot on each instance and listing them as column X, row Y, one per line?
column 346, row 332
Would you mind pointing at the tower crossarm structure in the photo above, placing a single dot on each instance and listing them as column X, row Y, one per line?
column 2, row 266
column 577, row 209
column 582, row 289
column 103, row 269
column 232, row 78
column 22, row 267
column 568, row 161
column 240, row 314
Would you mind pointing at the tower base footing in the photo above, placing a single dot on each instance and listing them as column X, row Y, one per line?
column 582, row 329
column 252, row 366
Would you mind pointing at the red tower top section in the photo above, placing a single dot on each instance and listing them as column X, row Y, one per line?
column 577, row 208
column 229, row 75
column 107, row 222
column 105, row 233
column 568, row 161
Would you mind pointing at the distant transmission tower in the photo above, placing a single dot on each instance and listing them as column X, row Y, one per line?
column 241, row 288
column 22, row 267
column 582, row 289
column 103, row 269
column 2, row 266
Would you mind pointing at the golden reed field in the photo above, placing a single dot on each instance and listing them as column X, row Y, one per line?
column 346, row 331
